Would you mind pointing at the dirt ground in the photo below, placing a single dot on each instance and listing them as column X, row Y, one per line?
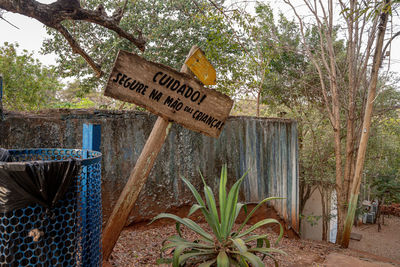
column 385, row 243
column 141, row 247
column 140, row 244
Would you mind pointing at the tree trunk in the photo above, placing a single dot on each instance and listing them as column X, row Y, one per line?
column 352, row 66
column 259, row 94
column 355, row 188
column 341, row 194
column 258, row 103
column 324, row 214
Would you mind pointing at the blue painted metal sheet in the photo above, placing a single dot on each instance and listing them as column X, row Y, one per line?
column 91, row 136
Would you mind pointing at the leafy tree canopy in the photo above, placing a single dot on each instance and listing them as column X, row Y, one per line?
column 28, row 85
column 170, row 28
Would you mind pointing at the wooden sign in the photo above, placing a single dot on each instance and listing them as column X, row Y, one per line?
column 173, row 96
column 201, row 67
column 168, row 93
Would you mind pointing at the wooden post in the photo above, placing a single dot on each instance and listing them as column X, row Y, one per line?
column 136, row 180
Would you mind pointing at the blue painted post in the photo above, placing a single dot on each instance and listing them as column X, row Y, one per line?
column 91, row 136
column 1, row 98
column 91, row 140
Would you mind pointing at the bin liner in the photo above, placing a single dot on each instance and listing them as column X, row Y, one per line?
column 26, row 183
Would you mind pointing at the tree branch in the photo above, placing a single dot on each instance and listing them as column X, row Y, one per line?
column 53, row 14
column 387, row 44
column 385, row 110
column 77, row 49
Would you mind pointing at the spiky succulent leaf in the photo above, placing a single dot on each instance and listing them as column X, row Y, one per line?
column 222, row 192
column 195, row 208
column 194, row 191
column 268, row 254
column 259, row 224
column 239, row 207
column 177, row 253
column 239, row 244
column 206, row 251
column 206, row 213
column 192, row 254
column 230, row 210
column 187, row 222
column 212, row 207
column 178, row 228
column 176, row 243
column 222, row 259
column 253, row 259
column 254, row 210
column 208, row 263
column 267, row 250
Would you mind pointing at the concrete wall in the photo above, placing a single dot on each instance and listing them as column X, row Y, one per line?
column 266, row 147
column 313, row 207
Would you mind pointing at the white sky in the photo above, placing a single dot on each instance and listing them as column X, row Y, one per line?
column 32, row 33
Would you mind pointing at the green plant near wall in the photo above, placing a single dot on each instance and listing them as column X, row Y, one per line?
column 223, row 247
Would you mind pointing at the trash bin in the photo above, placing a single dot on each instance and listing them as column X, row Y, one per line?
column 50, row 207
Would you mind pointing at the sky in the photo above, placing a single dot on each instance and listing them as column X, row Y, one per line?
column 31, row 34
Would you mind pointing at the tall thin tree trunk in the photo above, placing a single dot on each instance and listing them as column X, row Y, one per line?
column 324, row 215
column 258, row 103
column 341, row 194
column 352, row 66
column 259, row 94
column 355, row 188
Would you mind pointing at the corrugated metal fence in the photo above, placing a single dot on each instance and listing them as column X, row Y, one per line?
column 269, row 150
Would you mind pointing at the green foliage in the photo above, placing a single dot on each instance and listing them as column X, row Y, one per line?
column 311, row 219
column 386, row 187
column 222, row 247
column 382, row 166
column 171, row 28
column 27, row 84
column 82, row 103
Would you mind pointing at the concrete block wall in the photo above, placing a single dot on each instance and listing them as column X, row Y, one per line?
column 266, row 147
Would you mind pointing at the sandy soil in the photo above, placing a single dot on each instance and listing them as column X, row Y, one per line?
column 385, row 243
column 336, row 259
column 139, row 246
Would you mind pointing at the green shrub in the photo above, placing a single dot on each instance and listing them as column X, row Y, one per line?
column 224, row 247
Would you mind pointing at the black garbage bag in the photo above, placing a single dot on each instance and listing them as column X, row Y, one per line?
column 26, row 183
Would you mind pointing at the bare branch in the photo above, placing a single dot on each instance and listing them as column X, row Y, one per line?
column 234, row 32
column 385, row 110
column 315, row 63
column 1, row 17
column 77, row 49
column 53, row 14
column 387, row 44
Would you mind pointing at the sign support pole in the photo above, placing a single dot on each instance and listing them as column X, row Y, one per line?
column 131, row 191
column 136, row 180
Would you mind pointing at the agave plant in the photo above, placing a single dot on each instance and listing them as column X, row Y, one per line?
column 223, row 247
